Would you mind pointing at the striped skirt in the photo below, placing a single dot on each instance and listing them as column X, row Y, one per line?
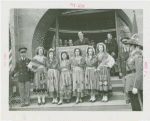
column 65, row 84
column 53, row 82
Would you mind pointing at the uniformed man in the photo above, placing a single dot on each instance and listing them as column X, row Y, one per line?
column 134, row 78
column 122, row 58
column 24, row 78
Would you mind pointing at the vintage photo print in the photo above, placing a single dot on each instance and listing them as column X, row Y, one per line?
column 75, row 56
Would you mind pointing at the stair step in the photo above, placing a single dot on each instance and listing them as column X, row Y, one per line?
column 110, row 105
column 115, row 96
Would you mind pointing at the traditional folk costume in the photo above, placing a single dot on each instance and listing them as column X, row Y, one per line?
column 52, row 66
column 90, row 75
column 65, row 84
column 105, row 62
column 37, row 64
column 78, row 64
column 134, row 78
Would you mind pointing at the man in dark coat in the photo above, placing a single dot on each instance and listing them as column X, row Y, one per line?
column 122, row 59
column 112, row 49
column 82, row 40
column 112, row 46
column 24, row 78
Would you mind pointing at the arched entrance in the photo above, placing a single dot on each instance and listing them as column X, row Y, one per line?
column 49, row 18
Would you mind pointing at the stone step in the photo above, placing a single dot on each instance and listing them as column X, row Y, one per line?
column 111, row 105
column 115, row 96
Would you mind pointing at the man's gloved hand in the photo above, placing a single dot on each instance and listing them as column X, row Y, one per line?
column 134, row 90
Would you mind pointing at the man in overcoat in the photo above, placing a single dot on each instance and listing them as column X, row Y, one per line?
column 122, row 59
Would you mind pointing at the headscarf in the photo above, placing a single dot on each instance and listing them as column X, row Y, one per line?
column 104, row 48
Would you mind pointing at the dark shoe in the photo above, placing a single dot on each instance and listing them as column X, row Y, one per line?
column 26, row 105
column 39, row 104
column 90, row 100
column 22, row 105
column 43, row 103
column 127, row 101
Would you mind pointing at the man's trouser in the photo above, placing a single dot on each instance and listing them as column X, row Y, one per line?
column 24, row 90
column 126, row 95
column 136, row 101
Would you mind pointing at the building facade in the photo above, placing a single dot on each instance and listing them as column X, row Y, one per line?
column 36, row 27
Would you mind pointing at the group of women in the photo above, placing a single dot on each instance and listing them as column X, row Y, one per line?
column 76, row 76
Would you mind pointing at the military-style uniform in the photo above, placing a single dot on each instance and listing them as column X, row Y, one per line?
column 24, row 79
column 122, row 59
column 134, row 79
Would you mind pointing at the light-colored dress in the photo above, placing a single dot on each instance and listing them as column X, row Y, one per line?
column 78, row 65
column 65, row 85
column 90, row 75
column 40, row 74
column 53, row 77
column 105, row 62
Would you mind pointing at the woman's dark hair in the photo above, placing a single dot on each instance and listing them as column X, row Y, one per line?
column 79, row 51
column 66, row 54
column 88, row 51
column 49, row 53
column 38, row 52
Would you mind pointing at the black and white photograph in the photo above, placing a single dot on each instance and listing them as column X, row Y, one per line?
column 76, row 58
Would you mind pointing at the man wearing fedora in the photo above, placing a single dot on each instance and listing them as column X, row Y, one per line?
column 24, row 77
column 134, row 77
column 122, row 59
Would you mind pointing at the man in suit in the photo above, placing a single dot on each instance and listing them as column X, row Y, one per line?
column 122, row 59
column 24, row 78
column 82, row 40
column 112, row 49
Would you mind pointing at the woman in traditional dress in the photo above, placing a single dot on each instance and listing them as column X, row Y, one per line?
column 78, row 64
column 105, row 62
column 90, row 73
column 65, row 84
column 52, row 65
column 40, row 74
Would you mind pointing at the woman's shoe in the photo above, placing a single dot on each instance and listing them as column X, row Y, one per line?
column 94, row 100
column 81, row 101
column 60, row 102
column 77, row 101
column 106, row 99
column 103, row 99
column 90, row 100
column 68, row 101
column 39, row 104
